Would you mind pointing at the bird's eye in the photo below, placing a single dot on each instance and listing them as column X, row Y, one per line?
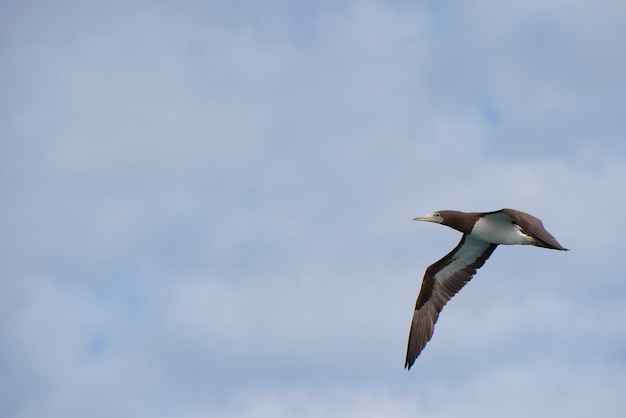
column 437, row 215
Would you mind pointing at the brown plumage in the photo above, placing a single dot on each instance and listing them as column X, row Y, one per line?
column 482, row 233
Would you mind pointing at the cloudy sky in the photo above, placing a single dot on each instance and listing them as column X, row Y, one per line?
column 206, row 207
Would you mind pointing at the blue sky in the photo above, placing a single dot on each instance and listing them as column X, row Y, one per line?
column 207, row 207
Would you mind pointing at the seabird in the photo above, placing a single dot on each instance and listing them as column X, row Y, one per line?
column 482, row 233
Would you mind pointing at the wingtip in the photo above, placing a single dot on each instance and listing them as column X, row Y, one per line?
column 408, row 364
column 550, row 245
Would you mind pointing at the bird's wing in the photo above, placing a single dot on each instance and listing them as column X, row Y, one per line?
column 442, row 281
column 533, row 227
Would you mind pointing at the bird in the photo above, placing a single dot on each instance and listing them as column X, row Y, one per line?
column 482, row 233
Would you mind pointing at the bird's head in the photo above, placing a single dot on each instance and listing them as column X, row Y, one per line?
column 461, row 221
column 435, row 217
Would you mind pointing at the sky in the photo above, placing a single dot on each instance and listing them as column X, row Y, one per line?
column 207, row 207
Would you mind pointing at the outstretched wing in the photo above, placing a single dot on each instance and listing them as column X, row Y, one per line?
column 533, row 227
column 442, row 281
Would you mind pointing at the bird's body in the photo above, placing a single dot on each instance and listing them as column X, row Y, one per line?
column 498, row 229
column 482, row 233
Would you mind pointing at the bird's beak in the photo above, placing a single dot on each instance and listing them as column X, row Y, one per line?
column 431, row 217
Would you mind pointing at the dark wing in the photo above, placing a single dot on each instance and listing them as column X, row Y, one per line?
column 441, row 282
column 533, row 227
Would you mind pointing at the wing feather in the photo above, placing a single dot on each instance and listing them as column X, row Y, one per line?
column 534, row 228
column 442, row 281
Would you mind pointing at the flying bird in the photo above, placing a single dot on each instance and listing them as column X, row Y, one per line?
column 482, row 233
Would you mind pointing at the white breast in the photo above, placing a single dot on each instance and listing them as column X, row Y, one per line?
column 499, row 228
